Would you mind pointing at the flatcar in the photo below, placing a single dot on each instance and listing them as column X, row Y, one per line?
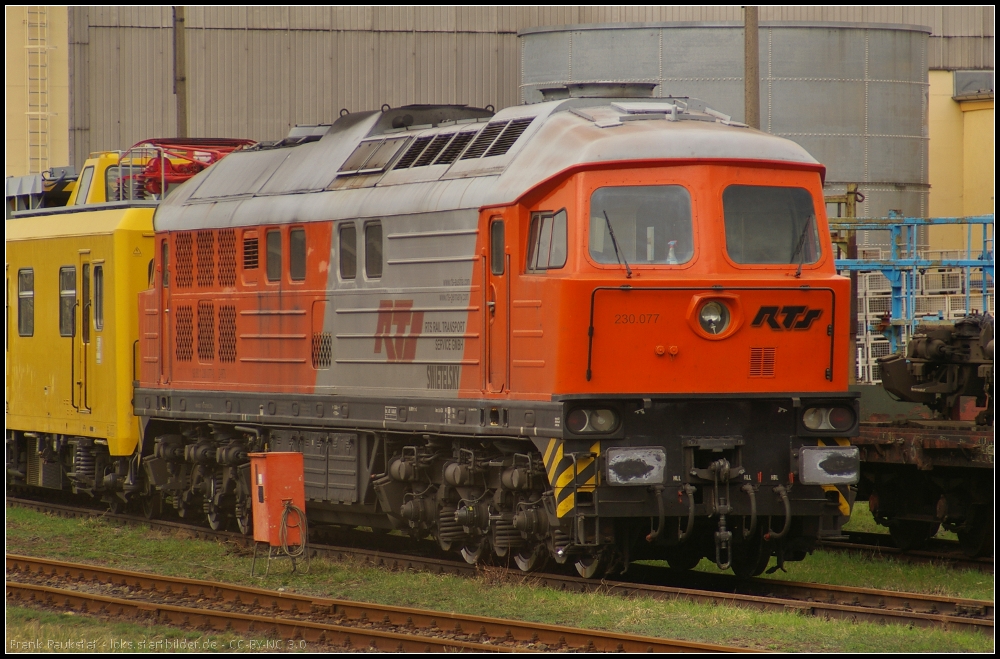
column 596, row 329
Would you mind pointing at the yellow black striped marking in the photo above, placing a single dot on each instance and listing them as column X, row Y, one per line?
column 560, row 469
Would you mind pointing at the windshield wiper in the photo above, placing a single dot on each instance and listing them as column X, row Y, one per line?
column 628, row 270
column 800, row 245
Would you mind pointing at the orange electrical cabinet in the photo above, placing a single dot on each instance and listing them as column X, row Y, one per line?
column 277, row 478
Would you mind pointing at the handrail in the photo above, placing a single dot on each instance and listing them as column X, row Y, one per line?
column 72, row 359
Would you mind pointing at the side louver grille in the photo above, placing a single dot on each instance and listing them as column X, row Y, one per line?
column 762, row 362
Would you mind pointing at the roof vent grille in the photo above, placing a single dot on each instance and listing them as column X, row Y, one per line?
column 483, row 141
column 509, row 135
column 451, row 152
column 433, row 149
column 413, row 152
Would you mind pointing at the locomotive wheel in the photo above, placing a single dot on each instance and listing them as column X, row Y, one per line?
column 215, row 513
column 750, row 556
column 473, row 552
column 909, row 534
column 244, row 521
column 590, row 567
column 116, row 505
column 150, row 500
column 682, row 557
column 975, row 540
column 531, row 559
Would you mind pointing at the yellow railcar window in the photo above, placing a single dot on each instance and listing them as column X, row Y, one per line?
column 98, row 297
column 67, row 301
column 26, row 302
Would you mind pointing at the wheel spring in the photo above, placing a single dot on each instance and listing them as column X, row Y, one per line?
column 448, row 529
column 83, row 462
column 506, row 535
column 560, row 539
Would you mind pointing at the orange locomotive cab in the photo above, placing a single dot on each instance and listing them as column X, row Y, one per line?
column 590, row 329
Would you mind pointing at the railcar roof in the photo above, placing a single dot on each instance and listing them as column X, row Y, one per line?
column 330, row 179
column 83, row 220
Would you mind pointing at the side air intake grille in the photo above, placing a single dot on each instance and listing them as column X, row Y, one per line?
column 322, row 350
column 250, row 249
column 227, row 333
column 184, row 247
column 762, row 362
column 509, row 135
column 206, row 259
column 483, row 141
column 227, row 257
column 183, row 334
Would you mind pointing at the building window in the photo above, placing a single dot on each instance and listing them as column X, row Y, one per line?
column 273, row 255
column 67, row 301
column 348, row 251
column 297, row 254
column 373, row 250
column 547, row 241
column 99, row 297
column 26, row 302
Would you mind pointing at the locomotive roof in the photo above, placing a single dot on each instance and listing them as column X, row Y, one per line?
column 389, row 163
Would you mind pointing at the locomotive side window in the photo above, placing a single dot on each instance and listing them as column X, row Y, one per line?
column 770, row 225
column 99, row 297
column 67, row 301
column 373, row 250
column 297, row 254
column 165, row 262
column 348, row 251
column 84, row 185
column 651, row 223
column 26, row 302
column 547, row 241
column 496, row 247
column 273, row 255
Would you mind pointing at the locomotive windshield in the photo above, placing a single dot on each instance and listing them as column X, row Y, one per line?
column 770, row 225
column 652, row 224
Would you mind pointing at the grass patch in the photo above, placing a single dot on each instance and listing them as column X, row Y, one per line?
column 492, row 593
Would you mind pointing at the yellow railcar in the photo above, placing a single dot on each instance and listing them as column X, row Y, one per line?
column 73, row 278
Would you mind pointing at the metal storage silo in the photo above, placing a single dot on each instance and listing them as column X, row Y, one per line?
column 853, row 94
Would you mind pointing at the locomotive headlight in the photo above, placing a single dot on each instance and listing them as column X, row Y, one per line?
column 714, row 317
column 583, row 421
column 828, row 418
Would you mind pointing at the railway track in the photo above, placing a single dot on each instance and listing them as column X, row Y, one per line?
column 827, row 601
column 301, row 621
column 945, row 552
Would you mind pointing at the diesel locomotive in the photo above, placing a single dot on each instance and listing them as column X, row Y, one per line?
column 597, row 329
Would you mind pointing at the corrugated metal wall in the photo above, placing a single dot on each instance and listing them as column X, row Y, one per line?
column 256, row 71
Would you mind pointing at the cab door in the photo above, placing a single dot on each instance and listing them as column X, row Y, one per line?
column 165, row 363
column 497, row 307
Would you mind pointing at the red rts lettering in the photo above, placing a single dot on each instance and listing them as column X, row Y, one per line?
column 395, row 317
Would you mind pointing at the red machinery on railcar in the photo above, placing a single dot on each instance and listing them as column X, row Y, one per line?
column 593, row 329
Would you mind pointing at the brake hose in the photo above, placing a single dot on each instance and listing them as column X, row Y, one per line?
column 771, row 535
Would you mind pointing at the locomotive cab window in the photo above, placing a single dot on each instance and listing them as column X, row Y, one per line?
column 770, row 225
column 547, row 241
column 643, row 225
column 26, row 302
column 496, row 247
column 274, row 255
column 83, row 186
column 297, row 254
column 348, row 251
column 373, row 250
column 67, row 301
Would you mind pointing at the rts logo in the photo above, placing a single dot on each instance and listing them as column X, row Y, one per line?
column 795, row 317
column 398, row 327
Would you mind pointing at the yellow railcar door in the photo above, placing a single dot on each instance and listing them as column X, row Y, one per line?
column 83, row 337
